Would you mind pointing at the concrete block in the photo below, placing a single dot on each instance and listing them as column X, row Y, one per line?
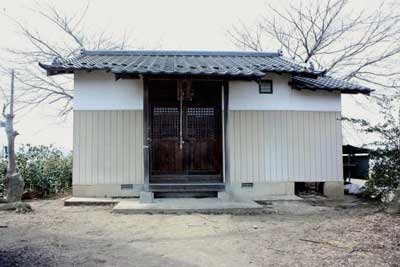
column 261, row 191
column 334, row 190
column 224, row 196
column 105, row 190
column 146, row 197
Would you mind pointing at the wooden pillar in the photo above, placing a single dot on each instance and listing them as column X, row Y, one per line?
column 146, row 134
column 226, row 135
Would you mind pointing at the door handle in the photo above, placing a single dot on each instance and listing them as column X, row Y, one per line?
column 181, row 142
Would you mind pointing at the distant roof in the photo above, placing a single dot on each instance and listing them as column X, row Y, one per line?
column 349, row 149
column 231, row 65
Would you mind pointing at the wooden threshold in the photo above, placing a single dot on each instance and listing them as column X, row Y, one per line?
column 185, row 179
column 187, row 187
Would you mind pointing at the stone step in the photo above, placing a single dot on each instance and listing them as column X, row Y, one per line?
column 188, row 206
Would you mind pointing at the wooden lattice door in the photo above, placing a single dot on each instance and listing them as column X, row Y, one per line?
column 185, row 132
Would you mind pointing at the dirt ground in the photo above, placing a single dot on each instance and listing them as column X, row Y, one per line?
column 287, row 234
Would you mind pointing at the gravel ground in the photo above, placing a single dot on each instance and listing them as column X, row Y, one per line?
column 310, row 233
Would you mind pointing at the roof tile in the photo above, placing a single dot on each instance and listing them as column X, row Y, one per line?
column 329, row 84
column 247, row 64
column 253, row 65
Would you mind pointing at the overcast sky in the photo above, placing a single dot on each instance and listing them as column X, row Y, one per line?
column 172, row 24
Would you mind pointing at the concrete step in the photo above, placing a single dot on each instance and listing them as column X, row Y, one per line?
column 90, row 201
column 188, row 206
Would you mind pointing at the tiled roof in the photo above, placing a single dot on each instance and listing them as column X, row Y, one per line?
column 329, row 84
column 232, row 65
column 210, row 63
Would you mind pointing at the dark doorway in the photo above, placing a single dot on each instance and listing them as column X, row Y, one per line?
column 185, row 131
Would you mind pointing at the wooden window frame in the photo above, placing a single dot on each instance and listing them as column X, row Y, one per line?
column 260, row 85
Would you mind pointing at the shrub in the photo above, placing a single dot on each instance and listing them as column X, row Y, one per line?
column 385, row 172
column 46, row 170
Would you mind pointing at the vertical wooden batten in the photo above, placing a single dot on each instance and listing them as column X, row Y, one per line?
column 103, row 150
column 285, row 146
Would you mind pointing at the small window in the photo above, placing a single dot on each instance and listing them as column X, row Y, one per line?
column 265, row 86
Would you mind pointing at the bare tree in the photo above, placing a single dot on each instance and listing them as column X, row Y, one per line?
column 34, row 87
column 354, row 45
column 14, row 183
column 71, row 37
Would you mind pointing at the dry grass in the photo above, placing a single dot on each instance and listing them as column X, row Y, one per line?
column 295, row 234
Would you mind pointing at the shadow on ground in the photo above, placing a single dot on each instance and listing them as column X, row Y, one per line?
column 25, row 256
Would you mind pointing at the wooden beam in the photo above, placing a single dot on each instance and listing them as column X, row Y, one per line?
column 126, row 76
column 194, row 77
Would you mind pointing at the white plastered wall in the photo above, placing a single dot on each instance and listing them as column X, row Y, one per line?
column 98, row 90
column 244, row 95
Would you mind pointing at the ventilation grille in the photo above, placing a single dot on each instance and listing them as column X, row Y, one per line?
column 126, row 186
column 247, row 185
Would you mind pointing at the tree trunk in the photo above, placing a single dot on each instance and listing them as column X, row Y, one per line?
column 394, row 207
column 14, row 184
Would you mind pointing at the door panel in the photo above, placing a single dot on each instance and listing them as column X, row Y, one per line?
column 202, row 138
column 196, row 121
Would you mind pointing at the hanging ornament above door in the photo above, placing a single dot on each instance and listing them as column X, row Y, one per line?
column 185, row 90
